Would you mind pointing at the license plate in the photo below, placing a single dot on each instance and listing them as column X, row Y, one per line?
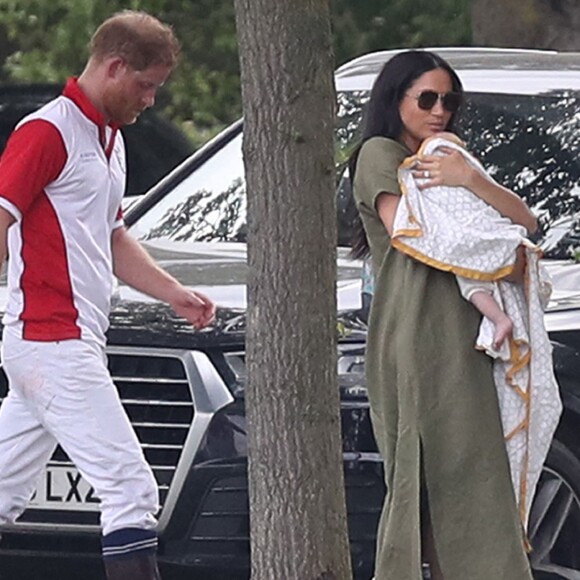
column 62, row 488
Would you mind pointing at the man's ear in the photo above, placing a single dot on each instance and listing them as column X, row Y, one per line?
column 115, row 66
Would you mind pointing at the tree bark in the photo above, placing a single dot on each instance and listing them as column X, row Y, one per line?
column 548, row 24
column 297, row 500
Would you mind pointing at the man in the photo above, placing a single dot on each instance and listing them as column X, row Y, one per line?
column 62, row 178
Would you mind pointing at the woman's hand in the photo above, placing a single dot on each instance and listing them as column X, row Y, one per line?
column 450, row 169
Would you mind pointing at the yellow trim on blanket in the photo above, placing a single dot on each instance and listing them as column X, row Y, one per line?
column 458, row 270
column 519, row 361
column 408, row 233
column 523, row 425
column 520, row 393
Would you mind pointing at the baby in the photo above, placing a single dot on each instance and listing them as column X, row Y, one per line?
column 452, row 223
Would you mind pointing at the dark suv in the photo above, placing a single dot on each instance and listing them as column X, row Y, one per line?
column 184, row 390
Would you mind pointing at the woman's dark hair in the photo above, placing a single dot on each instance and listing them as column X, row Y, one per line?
column 382, row 118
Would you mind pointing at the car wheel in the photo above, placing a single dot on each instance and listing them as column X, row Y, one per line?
column 554, row 527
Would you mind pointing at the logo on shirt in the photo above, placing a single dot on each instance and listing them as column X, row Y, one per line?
column 88, row 156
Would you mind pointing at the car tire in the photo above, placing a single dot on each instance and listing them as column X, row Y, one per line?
column 554, row 526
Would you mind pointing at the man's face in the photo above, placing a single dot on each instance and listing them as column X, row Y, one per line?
column 129, row 92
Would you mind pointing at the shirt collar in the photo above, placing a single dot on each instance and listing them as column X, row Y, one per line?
column 73, row 91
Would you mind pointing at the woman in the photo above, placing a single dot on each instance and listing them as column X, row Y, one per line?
column 433, row 401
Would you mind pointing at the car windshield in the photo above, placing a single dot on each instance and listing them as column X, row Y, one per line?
column 529, row 143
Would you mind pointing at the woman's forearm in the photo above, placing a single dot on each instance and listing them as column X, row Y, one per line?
column 503, row 200
column 452, row 169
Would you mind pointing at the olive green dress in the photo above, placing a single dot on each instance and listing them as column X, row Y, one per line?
column 434, row 409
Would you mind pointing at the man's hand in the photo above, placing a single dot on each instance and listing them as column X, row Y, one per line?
column 195, row 307
column 134, row 266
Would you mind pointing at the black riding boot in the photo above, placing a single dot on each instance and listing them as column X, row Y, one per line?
column 137, row 567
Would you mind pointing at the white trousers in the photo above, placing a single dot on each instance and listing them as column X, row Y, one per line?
column 61, row 392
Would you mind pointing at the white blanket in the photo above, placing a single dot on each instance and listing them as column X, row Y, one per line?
column 452, row 229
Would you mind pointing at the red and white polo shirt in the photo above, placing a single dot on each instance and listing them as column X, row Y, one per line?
column 62, row 176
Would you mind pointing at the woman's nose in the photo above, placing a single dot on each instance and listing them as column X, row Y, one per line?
column 438, row 108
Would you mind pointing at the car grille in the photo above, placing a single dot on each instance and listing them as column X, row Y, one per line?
column 156, row 394
column 222, row 525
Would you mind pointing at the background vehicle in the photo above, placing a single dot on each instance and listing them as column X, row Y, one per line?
column 184, row 390
column 154, row 144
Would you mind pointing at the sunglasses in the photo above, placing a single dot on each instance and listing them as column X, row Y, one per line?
column 426, row 100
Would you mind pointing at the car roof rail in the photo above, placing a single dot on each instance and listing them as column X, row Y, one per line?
column 373, row 59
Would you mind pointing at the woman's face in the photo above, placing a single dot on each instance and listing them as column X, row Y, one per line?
column 418, row 124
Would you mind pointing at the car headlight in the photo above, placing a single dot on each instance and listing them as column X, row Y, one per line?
column 350, row 367
column 351, row 370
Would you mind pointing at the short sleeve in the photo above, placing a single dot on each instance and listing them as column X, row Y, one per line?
column 34, row 157
column 119, row 220
column 376, row 171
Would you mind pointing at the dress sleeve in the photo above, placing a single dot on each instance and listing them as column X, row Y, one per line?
column 376, row 170
column 34, row 156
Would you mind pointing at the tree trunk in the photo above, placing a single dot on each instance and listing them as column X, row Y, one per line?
column 549, row 24
column 297, row 504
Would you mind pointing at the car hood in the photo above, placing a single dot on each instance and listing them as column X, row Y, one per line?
column 219, row 270
column 563, row 311
column 565, row 278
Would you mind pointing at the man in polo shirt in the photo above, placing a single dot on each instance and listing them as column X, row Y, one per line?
column 62, row 178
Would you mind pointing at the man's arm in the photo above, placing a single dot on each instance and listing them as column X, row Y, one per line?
column 134, row 266
column 34, row 156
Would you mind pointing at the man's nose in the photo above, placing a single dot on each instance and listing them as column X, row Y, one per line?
column 149, row 100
